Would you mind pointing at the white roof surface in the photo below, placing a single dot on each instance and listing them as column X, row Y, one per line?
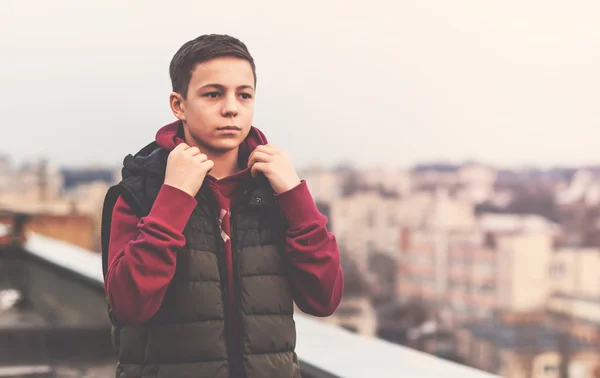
column 66, row 255
column 515, row 222
column 348, row 355
column 23, row 371
column 4, row 229
column 328, row 347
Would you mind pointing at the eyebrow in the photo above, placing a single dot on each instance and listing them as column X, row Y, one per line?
column 222, row 88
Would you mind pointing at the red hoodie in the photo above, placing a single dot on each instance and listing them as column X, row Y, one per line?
column 142, row 252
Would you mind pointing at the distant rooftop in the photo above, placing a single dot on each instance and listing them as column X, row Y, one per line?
column 437, row 167
column 515, row 222
column 522, row 336
column 577, row 297
column 75, row 176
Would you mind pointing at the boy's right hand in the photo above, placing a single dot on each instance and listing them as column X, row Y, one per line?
column 186, row 168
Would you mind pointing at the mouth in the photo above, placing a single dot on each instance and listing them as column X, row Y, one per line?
column 229, row 128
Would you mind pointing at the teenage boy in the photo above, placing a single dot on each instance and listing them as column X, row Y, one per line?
column 211, row 236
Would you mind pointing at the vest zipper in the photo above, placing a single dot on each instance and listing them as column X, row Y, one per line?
column 224, row 290
column 235, row 351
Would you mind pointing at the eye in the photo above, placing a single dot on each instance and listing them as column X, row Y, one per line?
column 212, row 94
column 245, row 96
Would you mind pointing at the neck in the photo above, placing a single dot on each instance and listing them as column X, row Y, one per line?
column 226, row 162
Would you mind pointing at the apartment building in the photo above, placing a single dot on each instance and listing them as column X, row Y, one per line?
column 31, row 187
column 389, row 180
column 526, row 350
column 325, row 185
column 476, row 183
column 476, row 267
column 472, row 182
column 425, row 242
column 366, row 223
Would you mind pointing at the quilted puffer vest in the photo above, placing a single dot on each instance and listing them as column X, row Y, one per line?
column 187, row 336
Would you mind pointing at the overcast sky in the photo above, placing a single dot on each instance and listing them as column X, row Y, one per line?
column 371, row 82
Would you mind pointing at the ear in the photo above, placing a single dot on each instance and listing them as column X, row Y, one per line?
column 177, row 103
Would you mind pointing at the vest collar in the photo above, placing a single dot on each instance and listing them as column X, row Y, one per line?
column 259, row 194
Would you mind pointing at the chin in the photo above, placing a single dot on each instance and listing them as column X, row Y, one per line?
column 226, row 145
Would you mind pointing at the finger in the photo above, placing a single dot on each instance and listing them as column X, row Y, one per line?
column 250, row 158
column 208, row 165
column 259, row 168
column 193, row 151
column 260, row 156
column 257, row 156
column 273, row 148
column 267, row 149
column 182, row 146
column 201, row 157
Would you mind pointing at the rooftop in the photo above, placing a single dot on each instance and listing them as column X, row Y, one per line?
column 324, row 350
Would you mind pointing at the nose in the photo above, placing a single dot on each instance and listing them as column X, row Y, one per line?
column 230, row 106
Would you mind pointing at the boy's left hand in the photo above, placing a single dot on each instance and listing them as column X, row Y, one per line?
column 276, row 166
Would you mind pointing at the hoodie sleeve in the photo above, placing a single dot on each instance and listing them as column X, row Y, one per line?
column 317, row 279
column 142, row 254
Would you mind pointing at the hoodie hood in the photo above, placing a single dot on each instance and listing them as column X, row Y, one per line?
column 151, row 160
column 169, row 136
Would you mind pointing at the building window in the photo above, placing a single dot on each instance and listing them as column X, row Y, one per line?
column 484, row 268
column 557, row 271
column 486, row 288
column 577, row 370
column 392, row 220
column 371, row 219
column 550, row 370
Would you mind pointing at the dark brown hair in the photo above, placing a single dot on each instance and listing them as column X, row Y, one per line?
column 202, row 49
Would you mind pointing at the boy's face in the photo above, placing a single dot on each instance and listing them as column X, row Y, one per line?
column 219, row 106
